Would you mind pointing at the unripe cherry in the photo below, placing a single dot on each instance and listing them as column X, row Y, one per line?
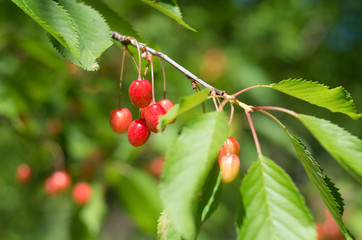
column 230, row 165
column 230, row 146
column 23, row 173
column 140, row 93
column 138, row 132
column 81, row 193
column 120, row 120
column 152, row 114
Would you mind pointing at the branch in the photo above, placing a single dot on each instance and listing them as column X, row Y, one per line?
column 125, row 40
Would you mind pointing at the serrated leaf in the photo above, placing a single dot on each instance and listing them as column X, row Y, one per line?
column 53, row 18
column 93, row 212
column 272, row 205
column 335, row 100
column 326, row 189
column 115, row 21
column 344, row 147
column 166, row 229
column 185, row 104
column 187, row 167
column 138, row 194
column 94, row 33
column 171, row 9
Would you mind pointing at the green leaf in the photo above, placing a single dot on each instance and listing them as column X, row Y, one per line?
column 210, row 197
column 93, row 212
column 272, row 205
column 138, row 193
column 78, row 32
column 326, row 189
column 185, row 104
column 187, row 167
column 94, row 33
column 55, row 19
column 344, row 147
column 166, row 229
column 335, row 100
column 171, row 9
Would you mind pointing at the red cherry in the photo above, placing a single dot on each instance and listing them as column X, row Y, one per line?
column 166, row 104
column 138, row 132
column 230, row 165
column 57, row 182
column 152, row 114
column 120, row 120
column 23, row 173
column 140, row 93
column 143, row 110
column 230, row 146
column 81, row 193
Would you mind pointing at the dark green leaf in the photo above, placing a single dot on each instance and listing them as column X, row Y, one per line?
column 344, row 147
column 171, row 9
column 326, row 189
column 272, row 205
column 187, row 167
column 336, row 99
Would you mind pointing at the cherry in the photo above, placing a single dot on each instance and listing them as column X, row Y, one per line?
column 229, row 165
column 143, row 110
column 156, row 165
column 23, row 173
column 152, row 114
column 138, row 132
column 230, row 146
column 140, row 93
column 81, row 193
column 120, row 120
column 57, row 182
column 166, row 104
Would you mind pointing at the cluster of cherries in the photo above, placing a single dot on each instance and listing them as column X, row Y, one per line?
column 139, row 130
column 58, row 182
column 229, row 161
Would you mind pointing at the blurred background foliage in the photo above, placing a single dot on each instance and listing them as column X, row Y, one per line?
column 53, row 113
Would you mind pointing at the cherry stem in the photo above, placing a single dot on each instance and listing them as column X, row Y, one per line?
column 214, row 100
column 248, row 88
column 153, row 80
column 134, row 60
column 164, row 77
column 255, row 136
column 121, row 77
column 139, row 57
column 146, row 70
column 276, row 109
column 231, row 114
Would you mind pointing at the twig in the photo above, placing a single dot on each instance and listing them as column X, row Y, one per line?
column 125, row 40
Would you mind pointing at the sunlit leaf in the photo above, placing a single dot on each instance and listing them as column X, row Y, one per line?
column 166, row 229
column 344, row 147
column 171, row 9
column 185, row 104
column 272, row 206
column 336, row 99
column 187, row 167
column 326, row 189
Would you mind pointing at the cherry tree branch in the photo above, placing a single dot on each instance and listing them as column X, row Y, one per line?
column 126, row 40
